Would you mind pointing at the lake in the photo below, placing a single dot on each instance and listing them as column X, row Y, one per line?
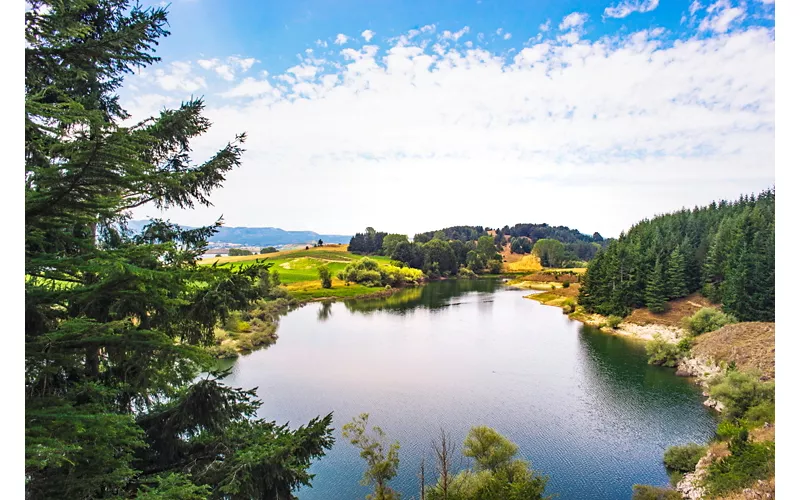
column 584, row 407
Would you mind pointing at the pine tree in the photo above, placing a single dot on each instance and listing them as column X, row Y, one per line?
column 676, row 275
column 655, row 293
column 115, row 323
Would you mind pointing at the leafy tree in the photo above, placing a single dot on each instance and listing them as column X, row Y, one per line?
column 319, row 242
column 411, row 254
column 382, row 458
column 390, row 242
column 475, row 262
column 497, row 474
column 439, row 256
column 550, row 252
column 324, row 276
column 269, row 250
column 115, row 323
column 488, row 448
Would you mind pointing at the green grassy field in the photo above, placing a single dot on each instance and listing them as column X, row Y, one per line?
column 298, row 270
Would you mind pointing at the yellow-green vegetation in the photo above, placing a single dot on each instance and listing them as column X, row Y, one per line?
column 707, row 320
column 246, row 331
column 299, row 271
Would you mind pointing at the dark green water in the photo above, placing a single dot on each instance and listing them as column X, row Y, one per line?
column 584, row 407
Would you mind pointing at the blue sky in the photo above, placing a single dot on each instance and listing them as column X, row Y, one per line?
column 591, row 114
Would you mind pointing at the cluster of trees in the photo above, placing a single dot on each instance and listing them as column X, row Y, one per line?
column 540, row 231
column 576, row 245
column 725, row 250
column 437, row 254
column 236, row 252
column 367, row 243
column 116, row 324
column 460, row 233
column 368, row 272
column 496, row 472
column 444, row 258
column 269, row 250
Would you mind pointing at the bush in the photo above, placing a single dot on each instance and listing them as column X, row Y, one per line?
column 324, row 276
column 565, row 284
column 684, row 458
column 465, row 273
column 663, row 353
column 269, row 250
column 569, row 306
column 614, row 321
column 726, row 429
column 495, row 266
column 647, row 492
column 741, row 392
column 707, row 320
column 747, row 463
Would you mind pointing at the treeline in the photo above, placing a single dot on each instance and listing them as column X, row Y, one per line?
column 460, row 233
column 437, row 257
column 725, row 250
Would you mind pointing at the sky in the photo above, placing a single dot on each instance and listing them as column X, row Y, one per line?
column 410, row 116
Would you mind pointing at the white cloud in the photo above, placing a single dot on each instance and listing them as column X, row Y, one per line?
column 178, row 77
column 227, row 70
column 576, row 20
column 648, row 123
column 506, row 36
column 321, row 43
column 341, row 39
column 448, row 35
column 428, row 28
column 250, row 87
column 628, row 7
column 545, row 26
column 367, row 34
column 721, row 16
column 499, row 31
column 694, row 7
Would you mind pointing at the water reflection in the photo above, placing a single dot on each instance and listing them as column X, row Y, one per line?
column 584, row 407
column 446, row 293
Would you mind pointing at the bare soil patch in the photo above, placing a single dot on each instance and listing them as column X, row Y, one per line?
column 677, row 310
column 750, row 345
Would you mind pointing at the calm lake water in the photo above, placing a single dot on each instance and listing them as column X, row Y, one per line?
column 584, row 407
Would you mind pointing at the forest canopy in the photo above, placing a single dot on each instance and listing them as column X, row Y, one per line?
column 725, row 250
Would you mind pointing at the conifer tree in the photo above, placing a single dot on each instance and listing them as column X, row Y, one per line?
column 676, row 275
column 655, row 293
column 115, row 323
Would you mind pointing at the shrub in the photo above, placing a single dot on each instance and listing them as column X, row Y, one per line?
column 552, row 287
column 663, row 353
column 465, row 273
column 706, row 320
column 685, row 345
column 647, row 492
column 269, row 250
column 565, row 284
column 742, row 391
column 614, row 321
column 236, row 252
column 760, row 413
column 684, row 458
column 495, row 266
column 747, row 463
column 569, row 306
column 726, row 429
column 324, row 276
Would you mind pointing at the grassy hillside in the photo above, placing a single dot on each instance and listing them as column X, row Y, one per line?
column 298, row 270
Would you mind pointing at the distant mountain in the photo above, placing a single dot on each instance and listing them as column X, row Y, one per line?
column 260, row 236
